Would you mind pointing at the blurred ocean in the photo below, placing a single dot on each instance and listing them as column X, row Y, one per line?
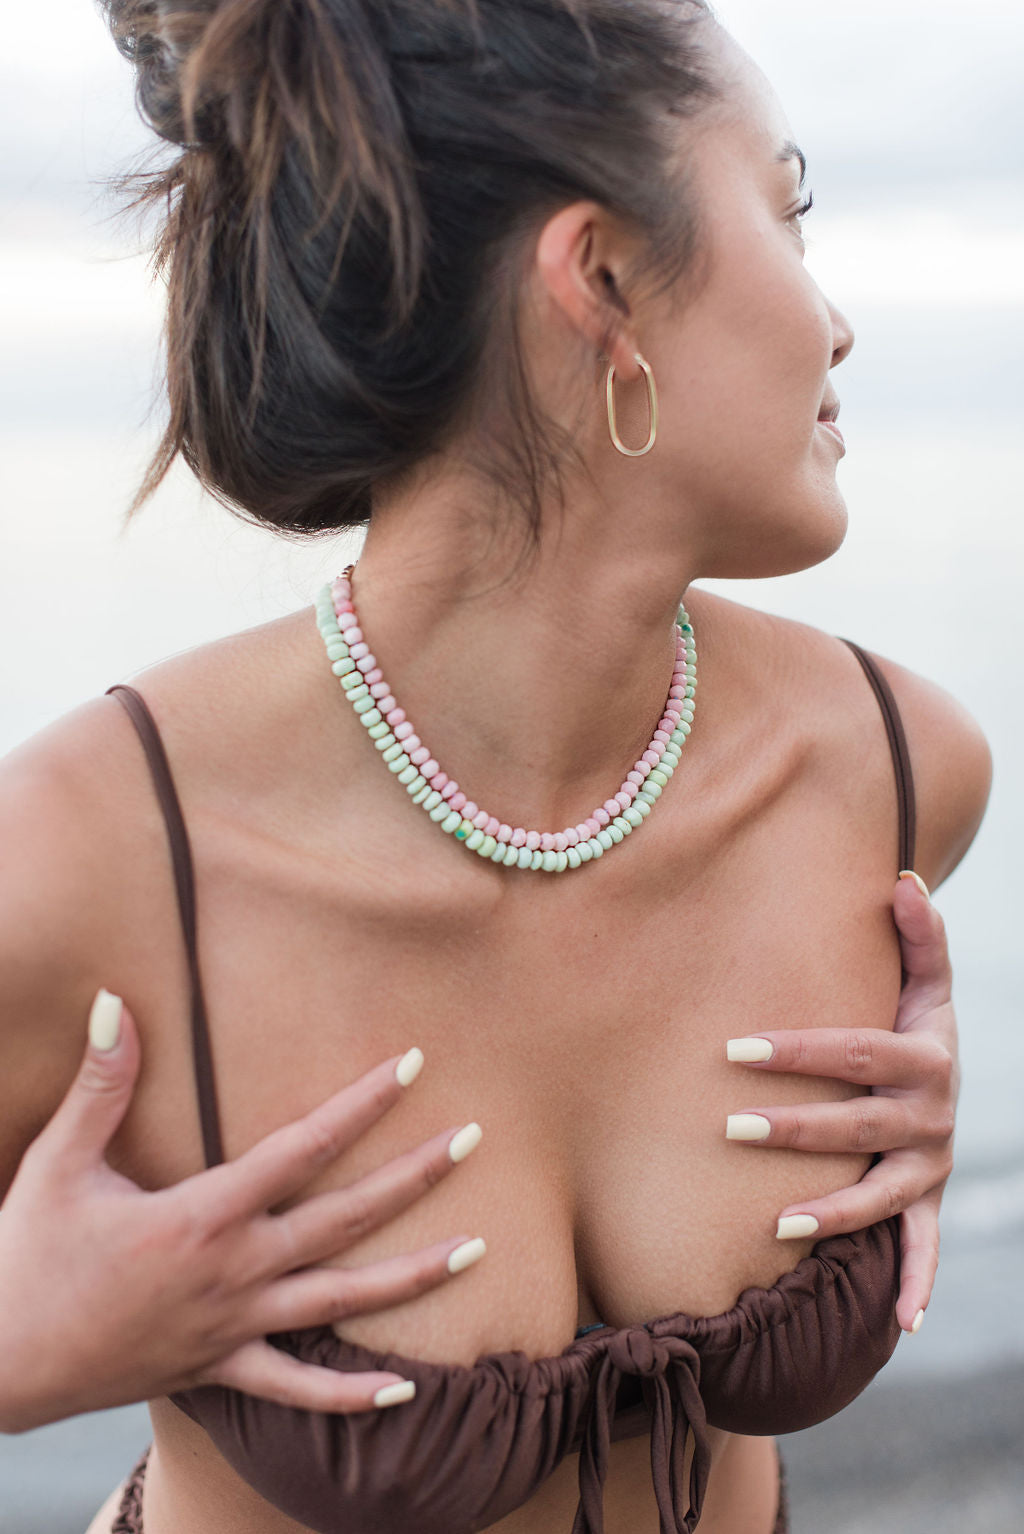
column 924, row 248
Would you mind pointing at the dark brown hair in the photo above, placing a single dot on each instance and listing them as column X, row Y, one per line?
column 342, row 225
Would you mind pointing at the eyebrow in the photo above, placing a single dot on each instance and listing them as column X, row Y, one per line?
column 791, row 151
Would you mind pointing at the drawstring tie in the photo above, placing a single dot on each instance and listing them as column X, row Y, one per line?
column 671, row 1369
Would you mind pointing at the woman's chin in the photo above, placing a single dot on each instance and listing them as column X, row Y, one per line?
column 775, row 550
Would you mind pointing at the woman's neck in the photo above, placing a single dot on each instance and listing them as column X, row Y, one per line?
column 536, row 682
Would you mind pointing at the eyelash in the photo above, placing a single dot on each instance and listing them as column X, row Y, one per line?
column 804, row 207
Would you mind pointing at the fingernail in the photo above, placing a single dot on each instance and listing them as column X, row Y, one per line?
column 407, row 1069
column 917, row 1323
column 465, row 1255
column 747, row 1126
column 746, row 1051
column 105, row 1020
column 908, row 873
column 391, row 1395
column 791, row 1226
column 467, row 1139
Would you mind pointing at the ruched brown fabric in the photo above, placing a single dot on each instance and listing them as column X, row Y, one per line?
column 478, row 1442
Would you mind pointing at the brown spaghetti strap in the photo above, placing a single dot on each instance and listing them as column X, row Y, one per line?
column 181, row 857
column 900, row 754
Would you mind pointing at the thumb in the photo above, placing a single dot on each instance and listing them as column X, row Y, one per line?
column 923, row 945
column 98, row 1098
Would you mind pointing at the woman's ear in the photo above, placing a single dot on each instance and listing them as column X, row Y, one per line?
column 578, row 253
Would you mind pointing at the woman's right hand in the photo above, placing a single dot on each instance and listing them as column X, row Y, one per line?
column 110, row 1294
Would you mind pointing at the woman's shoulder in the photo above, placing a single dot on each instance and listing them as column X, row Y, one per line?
column 827, row 690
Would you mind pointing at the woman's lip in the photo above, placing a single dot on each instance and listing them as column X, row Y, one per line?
column 832, row 427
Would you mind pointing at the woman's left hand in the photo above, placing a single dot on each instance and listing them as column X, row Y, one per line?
column 908, row 1119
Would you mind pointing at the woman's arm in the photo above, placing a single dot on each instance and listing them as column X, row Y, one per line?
column 110, row 1294
column 913, row 1073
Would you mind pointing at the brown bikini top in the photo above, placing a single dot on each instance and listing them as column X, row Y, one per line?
column 477, row 1442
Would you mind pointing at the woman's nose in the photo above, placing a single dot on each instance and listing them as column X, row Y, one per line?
column 842, row 334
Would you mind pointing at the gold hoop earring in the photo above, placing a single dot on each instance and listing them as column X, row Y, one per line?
column 652, row 394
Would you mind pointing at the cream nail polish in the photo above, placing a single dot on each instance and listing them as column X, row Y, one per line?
column 392, row 1395
column 908, row 873
column 407, row 1069
column 917, row 1323
column 465, row 1255
column 105, row 1020
column 747, row 1126
column 747, row 1051
column 467, row 1139
column 793, row 1226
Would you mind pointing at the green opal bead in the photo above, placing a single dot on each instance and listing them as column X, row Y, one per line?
column 420, row 795
column 642, row 807
column 657, row 776
column 474, row 839
column 401, row 761
column 573, row 858
column 408, row 775
column 486, row 847
column 343, row 668
column 562, row 862
column 596, row 847
column 634, row 817
column 392, row 751
column 431, row 799
column 673, row 752
column 651, row 790
column 525, row 857
column 605, row 838
column 623, row 825
column 441, row 812
column 352, row 679
column 464, row 830
column 378, row 731
column 511, row 857
column 365, row 704
column 338, row 652
column 385, row 742
column 548, row 862
column 614, row 832
column 451, row 822
column 684, row 728
column 584, row 851
column 537, row 860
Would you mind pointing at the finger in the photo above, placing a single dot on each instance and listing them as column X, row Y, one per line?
column 331, row 1222
column 285, row 1160
column 870, row 1057
column 924, row 949
column 885, row 1190
column 97, row 1100
column 864, row 1125
column 919, row 1258
column 321, row 1295
column 262, row 1370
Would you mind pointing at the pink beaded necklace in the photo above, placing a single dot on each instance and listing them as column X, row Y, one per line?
column 411, row 762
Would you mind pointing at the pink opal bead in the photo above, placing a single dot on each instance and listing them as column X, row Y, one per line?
column 584, row 832
column 411, row 743
column 450, row 789
column 593, row 825
column 364, row 662
column 348, row 621
column 394, row 716
column 560, row 842
column 493, row 826
column 675, row 714
column 519, row 837
column 629, row 794
column 419, row 756
column 378, row 689
column 648, row 768
column 636, row 778
column 533, row 840
column 469, row 809
column 652, row 757
column 375, row 676
column 353, row 634
column 623, row 801
column 403, row 731
column 438, row 780
column 343, row 607
column 572, row 836
column 611, row 807
column 387, row 705
column 663, row 736
column 602, row 817
column 480, row 819
column 431, row 770
column 547, row 842
column 503, row 834
column 458, row 800
column 678, row 692
column 359, row 649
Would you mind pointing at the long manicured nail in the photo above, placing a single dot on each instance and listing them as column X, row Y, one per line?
column 105, row 1020
column 747, row 1126
column 465, row 1255
column 392, row 1395
column 407, row 1069
column 467, row 1139
column 908, row 873
column 917, row 1323
column 792, row 1226
column 747, row 1051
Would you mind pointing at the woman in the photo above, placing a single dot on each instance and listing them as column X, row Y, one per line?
column 491, row 271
